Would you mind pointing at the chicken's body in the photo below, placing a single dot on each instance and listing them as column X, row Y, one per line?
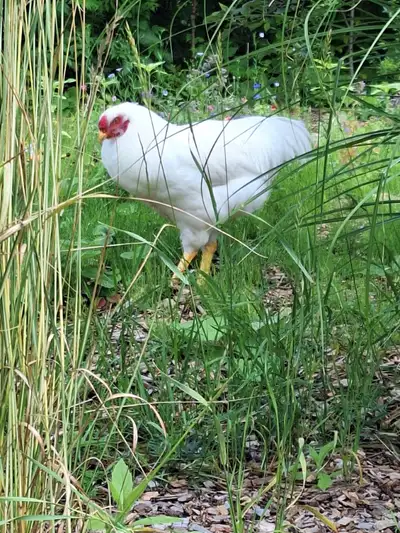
column 207, row 170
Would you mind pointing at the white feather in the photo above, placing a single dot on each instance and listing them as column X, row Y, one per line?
column 207, row 170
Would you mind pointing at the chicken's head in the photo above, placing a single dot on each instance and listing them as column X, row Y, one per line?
column 112, row 124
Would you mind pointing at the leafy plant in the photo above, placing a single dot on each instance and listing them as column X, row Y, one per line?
column 315, row 468
column 124, row 495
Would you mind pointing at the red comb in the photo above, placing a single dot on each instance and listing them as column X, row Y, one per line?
column 103, row 123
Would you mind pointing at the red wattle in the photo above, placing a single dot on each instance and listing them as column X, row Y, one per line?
column 103, row 124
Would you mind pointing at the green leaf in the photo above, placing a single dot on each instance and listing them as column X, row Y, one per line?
column 324, row 481
column 315, row 456
column 151, row 66
column 211, row 328
column 326, row 450
column 190, row 392
column 222, row 443
column 385, row 87
column 297, row 260
column 154, row 520
column 303, row 464
column 172, row 267
column 105, row 280
column 121, row 484
column 163, row 257
column 135, row 254
column 97, row 524
column 136, row 493
column 21, row 499
column 128, row 255
column 38, row 518
column 331, row 525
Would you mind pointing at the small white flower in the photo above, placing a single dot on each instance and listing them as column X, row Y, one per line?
column 276, row 83
column 118, row 69
column 111, row 76
column 261, row 35
column 199, row 54
column 165, row 92
column 113, row 98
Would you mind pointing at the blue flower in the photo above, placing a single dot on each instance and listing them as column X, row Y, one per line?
column 256, row 85
column 257, row 96
column 207, row 74
column 111, row 76
column 276, row 83
column 165, row 92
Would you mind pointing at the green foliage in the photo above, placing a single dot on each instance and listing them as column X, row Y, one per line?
column 121, row 484
column 315, row 467
column 251, row 41
column 209, row 329
column 233, row 370
column 124, row 494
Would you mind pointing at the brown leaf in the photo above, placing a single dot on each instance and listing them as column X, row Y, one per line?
column 147, row 496
column 114, row 298
column 221, row 528
column 178, row 483
column 222, row 510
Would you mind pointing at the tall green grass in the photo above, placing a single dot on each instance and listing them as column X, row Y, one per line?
column 45, row 376
column 76, row 385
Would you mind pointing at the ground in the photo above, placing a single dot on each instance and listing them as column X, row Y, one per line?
column 369, row 501
column 366, row 499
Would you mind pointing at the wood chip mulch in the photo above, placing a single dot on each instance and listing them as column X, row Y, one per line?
column 369, row 501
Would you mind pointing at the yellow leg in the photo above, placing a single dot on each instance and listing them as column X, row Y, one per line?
column 185, row 262
column 208, row 254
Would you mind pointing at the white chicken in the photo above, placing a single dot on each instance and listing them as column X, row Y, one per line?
column 200, row 174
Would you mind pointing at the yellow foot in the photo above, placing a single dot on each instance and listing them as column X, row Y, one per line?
column 207, row 257
column 183, row 265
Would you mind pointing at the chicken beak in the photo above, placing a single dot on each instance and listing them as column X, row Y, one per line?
column 102, row 136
